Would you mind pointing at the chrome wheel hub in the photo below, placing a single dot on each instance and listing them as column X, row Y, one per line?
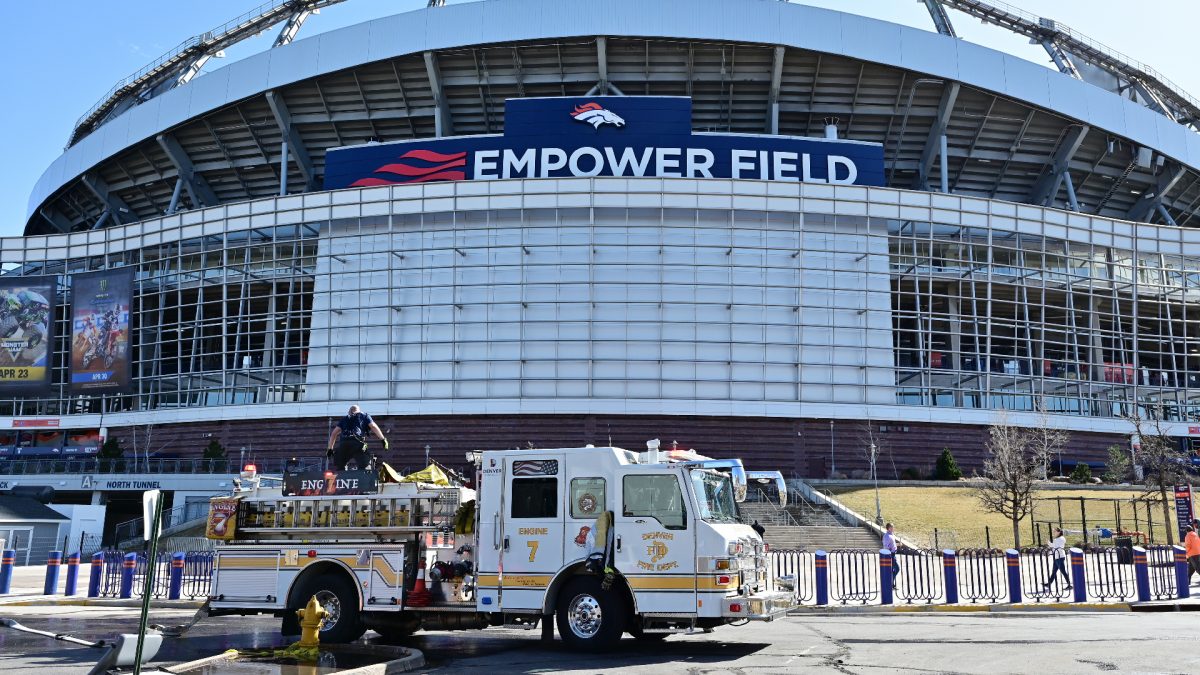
column 583, row 616
column 332, row 606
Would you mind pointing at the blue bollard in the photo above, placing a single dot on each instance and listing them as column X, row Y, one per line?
column 1078, row 576
column 1182, row 576
column 97, row 573
column 885, row 577
column 72, row 574
column 127, row 568
column 822, row 568
column 176, row 576
column 6, row 566
column 1141, row 574
column 1014, row 576
column 53, row 567
column 950, row 568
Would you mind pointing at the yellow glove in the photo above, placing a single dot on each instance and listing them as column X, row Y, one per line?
column 385, row 444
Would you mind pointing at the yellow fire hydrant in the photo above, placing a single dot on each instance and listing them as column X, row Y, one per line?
column 311, row 618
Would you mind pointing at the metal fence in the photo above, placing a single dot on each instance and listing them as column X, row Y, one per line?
column 854, row 575
column 1041, row 578
column 20, row 467
column 982, row 575
column 919, row 576
column 197, row 575
column 1110, row 573
column 796, row 566
column 1161, row 562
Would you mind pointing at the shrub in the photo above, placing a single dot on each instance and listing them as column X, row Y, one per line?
column 111, row 449
column 1117, row 469
column 1082, row 473
column 911, row 473
column 214, row 450
column 946, row 468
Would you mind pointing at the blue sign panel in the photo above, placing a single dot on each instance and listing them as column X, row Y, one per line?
column 605, row 136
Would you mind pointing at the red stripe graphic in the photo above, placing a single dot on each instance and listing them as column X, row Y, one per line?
column 372, row 182
column 431, row 156
column 406, row 170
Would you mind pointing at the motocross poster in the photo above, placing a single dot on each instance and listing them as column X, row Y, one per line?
column 100, row 331
column 26, row 322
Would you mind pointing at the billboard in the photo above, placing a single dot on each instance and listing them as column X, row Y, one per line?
column 100, row 331
column 605, row 136
column 26, row 333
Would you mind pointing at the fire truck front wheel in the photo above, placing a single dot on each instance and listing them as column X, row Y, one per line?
column 338, row 598
column 589, row 617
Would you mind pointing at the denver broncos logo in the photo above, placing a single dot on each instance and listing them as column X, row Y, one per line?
column 422, row 166
column 592, row 113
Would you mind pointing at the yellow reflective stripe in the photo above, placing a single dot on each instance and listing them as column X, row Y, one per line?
column 384, row 569
column 514, row 580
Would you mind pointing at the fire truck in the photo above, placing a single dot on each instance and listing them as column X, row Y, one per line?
column 601, row 540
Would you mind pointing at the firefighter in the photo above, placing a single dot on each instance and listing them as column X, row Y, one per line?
column 352, row 431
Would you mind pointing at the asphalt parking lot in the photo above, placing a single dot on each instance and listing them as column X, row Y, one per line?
column 978, row 642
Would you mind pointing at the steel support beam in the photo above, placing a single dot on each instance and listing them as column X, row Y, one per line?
column 197, row 188
column 191, row 70
column 602, row 64
column 1061, row 59
column 940, row 18
column 291, row 27
column 57, row 219
column 442, row 124
column 296, row 149
column 1150, row 200
column 1047, row 185
column 773, row 92
column 933, row 142
column 121, row 213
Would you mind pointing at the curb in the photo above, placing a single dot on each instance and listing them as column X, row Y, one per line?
column 60, row 601
column 998, row 608
column 413, row 661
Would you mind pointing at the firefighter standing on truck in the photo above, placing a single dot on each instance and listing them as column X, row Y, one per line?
column 352, row 429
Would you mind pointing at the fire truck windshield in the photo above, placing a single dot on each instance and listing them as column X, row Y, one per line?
column 714, row 491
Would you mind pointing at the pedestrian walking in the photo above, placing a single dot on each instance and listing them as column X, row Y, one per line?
column 889, row 542
column 1058, row 548
column 1191, row 543
column 762, row 531
column 350, row 437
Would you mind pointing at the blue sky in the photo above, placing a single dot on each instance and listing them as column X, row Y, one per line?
column 59, row 58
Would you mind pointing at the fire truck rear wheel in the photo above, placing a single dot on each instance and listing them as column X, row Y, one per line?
column 338, row 598
column 589, row 617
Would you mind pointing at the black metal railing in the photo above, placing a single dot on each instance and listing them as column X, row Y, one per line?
column 796, row 567
column 22, row 467
column 982, row 575
column 1161, row 562
column 1039, row 578
column 854, row 575
column 1109, row 572
column 919, row 576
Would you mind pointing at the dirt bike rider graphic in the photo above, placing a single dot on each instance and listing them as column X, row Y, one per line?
column 102, row 339
column 27, row 311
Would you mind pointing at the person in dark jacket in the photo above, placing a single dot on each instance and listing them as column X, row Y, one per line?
column 350, row 437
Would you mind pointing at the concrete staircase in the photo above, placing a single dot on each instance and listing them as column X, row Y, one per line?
column 805, row 525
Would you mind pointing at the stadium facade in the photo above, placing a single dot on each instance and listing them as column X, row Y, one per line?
column 1030, row 241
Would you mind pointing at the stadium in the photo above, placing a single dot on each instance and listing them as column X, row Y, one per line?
column 807, row 228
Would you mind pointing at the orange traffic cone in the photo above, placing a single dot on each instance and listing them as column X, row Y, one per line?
column 419, row 596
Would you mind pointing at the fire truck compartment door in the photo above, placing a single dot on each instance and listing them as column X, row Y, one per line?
column 386, row 582
column 655, row 541
column 532, row 517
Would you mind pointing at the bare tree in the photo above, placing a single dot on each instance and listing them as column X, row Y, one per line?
column 1158, row 454
column 1045, row 440
column 1014, row 462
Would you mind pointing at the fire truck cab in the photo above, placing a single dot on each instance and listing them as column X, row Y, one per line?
column 602, row 541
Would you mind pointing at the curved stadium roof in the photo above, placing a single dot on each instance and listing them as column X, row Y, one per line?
column 1012, row 126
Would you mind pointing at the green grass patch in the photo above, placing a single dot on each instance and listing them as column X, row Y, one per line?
column 962, row 523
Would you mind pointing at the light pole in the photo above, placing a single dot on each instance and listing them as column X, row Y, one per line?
column 875, row 477
column 832, row 461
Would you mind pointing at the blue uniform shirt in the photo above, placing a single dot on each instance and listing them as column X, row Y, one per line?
column 355, row 425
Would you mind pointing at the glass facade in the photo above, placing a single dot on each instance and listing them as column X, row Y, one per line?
column 640, row 296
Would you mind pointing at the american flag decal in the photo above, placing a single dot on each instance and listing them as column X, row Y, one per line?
column 537, row 467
